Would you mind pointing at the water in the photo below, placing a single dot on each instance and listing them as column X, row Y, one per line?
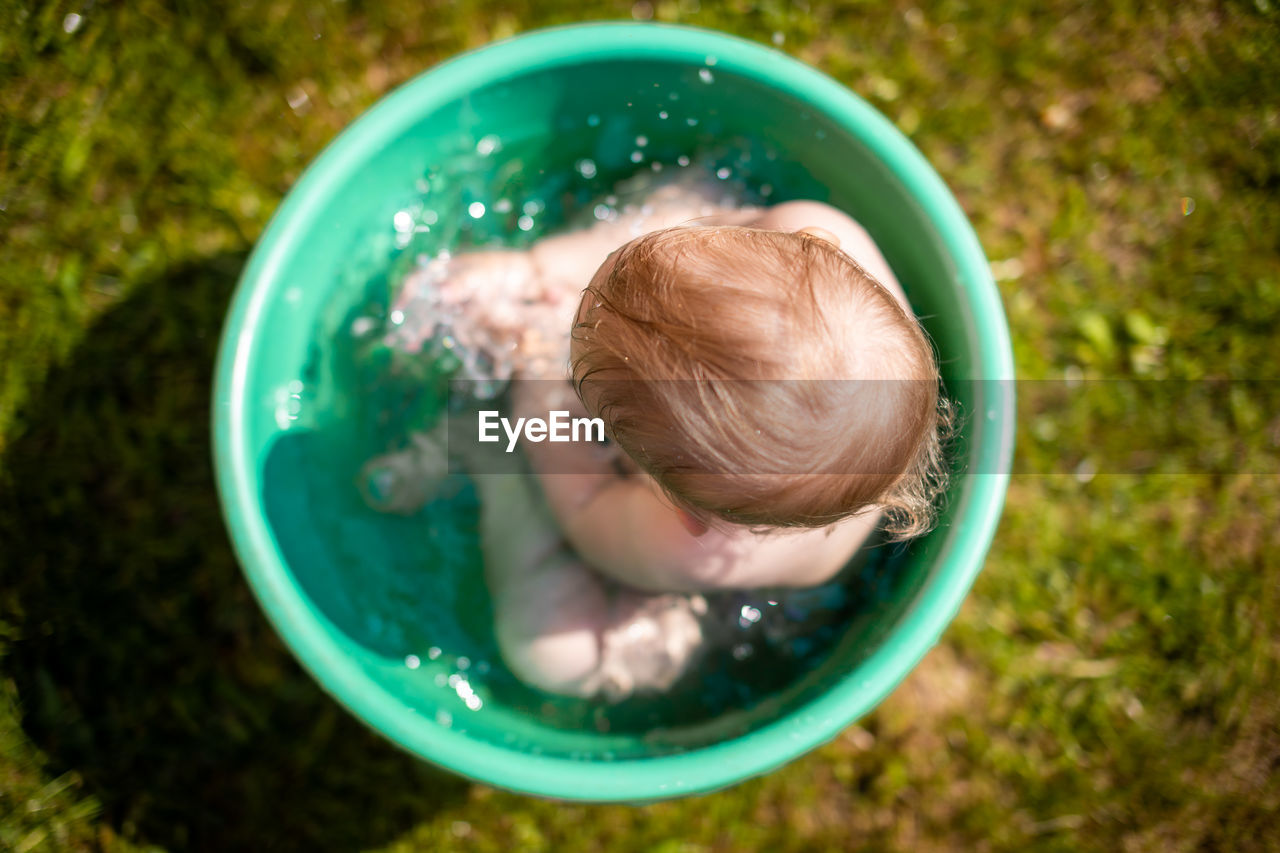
column 417, row 596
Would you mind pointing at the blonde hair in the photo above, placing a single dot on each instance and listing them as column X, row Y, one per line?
column 764, row 378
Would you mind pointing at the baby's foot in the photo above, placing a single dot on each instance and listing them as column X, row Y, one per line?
column 405, row 481
column 654, row 640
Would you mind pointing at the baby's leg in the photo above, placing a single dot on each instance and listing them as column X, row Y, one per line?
column 561, row 626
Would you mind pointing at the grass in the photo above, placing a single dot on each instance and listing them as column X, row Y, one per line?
column 1111, row 682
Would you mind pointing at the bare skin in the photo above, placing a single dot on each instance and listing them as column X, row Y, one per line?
column 594, row 574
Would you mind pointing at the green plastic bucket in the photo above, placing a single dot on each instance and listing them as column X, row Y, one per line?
column 551, row 97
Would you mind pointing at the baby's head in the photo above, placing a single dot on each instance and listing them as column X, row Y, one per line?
column 762, row 378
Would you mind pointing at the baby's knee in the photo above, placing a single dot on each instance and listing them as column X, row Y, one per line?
column 559, row 661
column 549, row 632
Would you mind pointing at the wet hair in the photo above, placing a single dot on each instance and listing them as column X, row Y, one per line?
column 764, row 378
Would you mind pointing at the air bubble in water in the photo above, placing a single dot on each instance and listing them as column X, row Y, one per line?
column 705, row 75
column 585, row 167
column 682, row 160
column 403, row 221
column 723, row 173
column 476, row 209
column 525, row 223
column 412, row 661
column 636, row 156
column 488, row 144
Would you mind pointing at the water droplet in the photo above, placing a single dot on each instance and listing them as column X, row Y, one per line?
column 464, row 663
column 601, row 212
column 433, row 652
column 748, row 615
column 412, row 661
column 473, row 702
column 692, row 122
column 488, row 144
column 397, row 317
column 71, row 23
column 525, row 223
column 705, row 75
column 476, row 209
column 711, row 60
column 1188, row 205
column 403, row 221
column 502, row 205
column 682, row 160
column 642, row 141
column 585, row 167
column 723, row 173
column 662, row 114
column 637, row 156
column 656, row 166
column 778, row 39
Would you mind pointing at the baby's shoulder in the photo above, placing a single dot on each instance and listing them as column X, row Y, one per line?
column 794, row 215
column 855, row 241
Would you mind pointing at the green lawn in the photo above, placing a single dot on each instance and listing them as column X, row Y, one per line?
column 1112, row 681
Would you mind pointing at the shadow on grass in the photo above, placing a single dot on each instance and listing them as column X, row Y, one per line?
column 142, row 661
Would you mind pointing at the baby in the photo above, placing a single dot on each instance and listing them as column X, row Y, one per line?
column 770, row 400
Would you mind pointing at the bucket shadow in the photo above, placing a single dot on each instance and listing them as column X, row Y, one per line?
column 141, row 660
